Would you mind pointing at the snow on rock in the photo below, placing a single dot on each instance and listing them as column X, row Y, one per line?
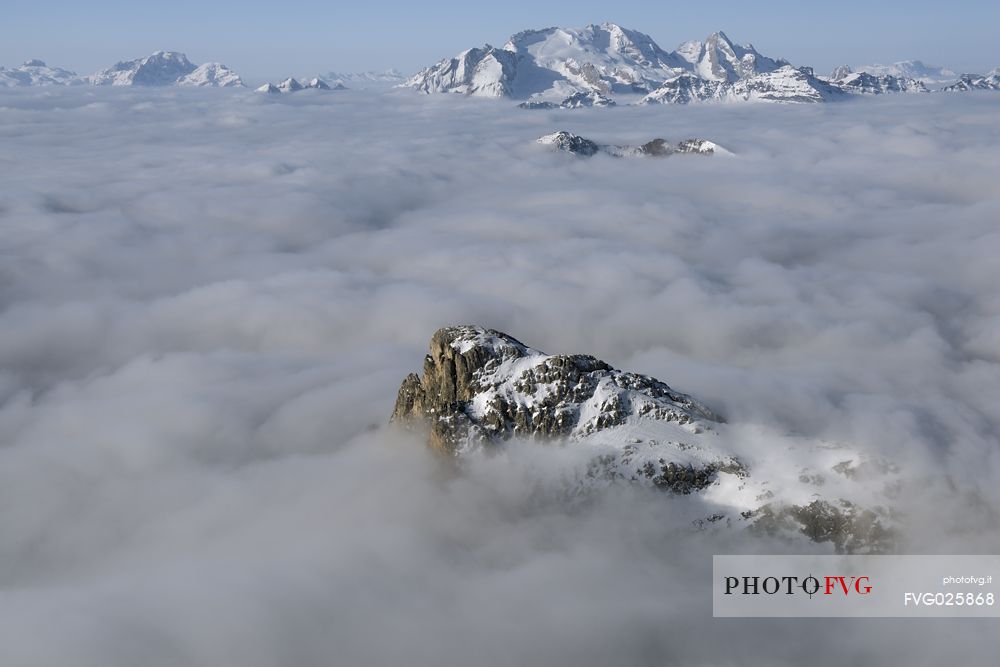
column 866, row 83
column 969, row 82
column 481, row 389
column 685, row 89
column 785, row 84
column 214, row 75
column 163, row 68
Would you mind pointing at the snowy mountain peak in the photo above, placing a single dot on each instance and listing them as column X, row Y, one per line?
column 162, row 68
column 718, row 58
column 36, row 73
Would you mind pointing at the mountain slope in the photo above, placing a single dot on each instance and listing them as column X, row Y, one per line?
column 212, row 75
column 555, row 63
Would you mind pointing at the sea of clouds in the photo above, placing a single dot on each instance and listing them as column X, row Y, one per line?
column 208, row 300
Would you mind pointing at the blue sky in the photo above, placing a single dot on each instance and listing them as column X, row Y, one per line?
column 268, row 39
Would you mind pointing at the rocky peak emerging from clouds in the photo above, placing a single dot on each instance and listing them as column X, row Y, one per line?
column 577, row 145
column 481, row 386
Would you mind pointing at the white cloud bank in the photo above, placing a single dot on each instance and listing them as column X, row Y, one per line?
column 208, row 299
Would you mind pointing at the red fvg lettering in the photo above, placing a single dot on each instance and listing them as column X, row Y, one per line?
column 858, row 585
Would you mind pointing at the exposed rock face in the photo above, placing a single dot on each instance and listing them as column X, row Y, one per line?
column 481, row 386
column 849, row 528
column 572, row 143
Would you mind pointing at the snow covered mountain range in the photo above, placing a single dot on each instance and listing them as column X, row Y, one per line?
column 481, row 389
column 165, row 68
column 554, row 67
column 597, row 65
column 291, row 85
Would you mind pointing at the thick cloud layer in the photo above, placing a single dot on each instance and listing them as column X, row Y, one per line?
column 208, row 299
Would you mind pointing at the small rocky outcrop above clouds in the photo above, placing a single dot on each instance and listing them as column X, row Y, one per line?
column 292, row 85
column 574, row 101
column 481, row 388
column 577, row 145
column 37, row 73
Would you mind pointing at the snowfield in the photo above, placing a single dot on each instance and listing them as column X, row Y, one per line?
column 209, row 297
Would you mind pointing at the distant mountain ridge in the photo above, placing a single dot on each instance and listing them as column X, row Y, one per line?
column 552, row 67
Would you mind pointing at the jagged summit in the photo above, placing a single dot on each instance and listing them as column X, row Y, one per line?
column 718, row 58
column 481, row 385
